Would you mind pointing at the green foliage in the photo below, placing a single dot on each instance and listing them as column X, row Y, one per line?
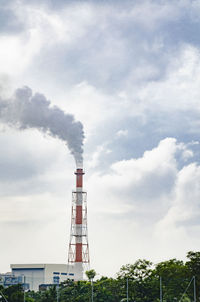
column 107, row 289
column 28, row 299
column 90, row 274
column 75, row 291
column 143, row 283
column 141, row 269
column 175, row 278
column 49, row 295
column 14, row 293
column 193, row 266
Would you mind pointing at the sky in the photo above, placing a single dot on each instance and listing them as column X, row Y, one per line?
column 129, row 72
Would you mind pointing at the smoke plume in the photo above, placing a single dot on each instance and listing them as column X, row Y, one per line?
column 26, row 110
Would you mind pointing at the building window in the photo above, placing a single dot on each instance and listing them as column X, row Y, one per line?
column 56, row 280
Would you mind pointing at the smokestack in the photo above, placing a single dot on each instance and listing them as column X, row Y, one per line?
column 27, row 111
column 78, row 246
column 79, row 215
column 79, row 178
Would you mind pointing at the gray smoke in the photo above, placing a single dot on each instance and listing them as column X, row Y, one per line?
column 26, row 110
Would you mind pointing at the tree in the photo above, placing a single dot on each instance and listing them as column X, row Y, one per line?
column 193, row 266
column 14, row 293
column 141, row 269
column 175, row 278
column 107, row 289
column 90, row 274
column 49, row 295
column 143, row 284
column 74, row 291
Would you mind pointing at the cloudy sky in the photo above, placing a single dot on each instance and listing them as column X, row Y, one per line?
column 129, row 71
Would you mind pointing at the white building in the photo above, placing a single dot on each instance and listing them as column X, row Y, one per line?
column 37, row 274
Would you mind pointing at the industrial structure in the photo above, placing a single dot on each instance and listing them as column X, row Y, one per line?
column 35, row 275
column 78, row 255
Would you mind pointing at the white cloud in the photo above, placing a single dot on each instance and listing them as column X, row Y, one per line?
column 179, row 227
column 122, row 133
column 150, row 14
column 149, row 195
column 95, row 158
column 178, row 91
column 150, row 174
column 41, row 30
column 185, row 207
column 130, row 73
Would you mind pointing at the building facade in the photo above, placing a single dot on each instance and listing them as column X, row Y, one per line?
column 34, row 275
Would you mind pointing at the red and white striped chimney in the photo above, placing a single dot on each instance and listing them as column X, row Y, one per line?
column 78, row 247
column 79, row 215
